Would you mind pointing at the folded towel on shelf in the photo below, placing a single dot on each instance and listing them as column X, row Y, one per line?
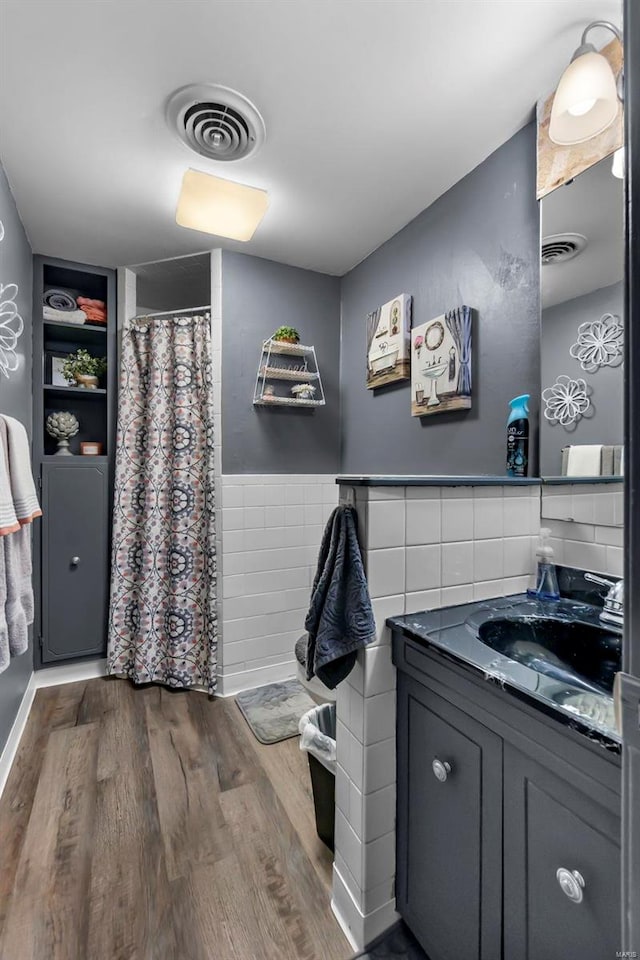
column 584, row 460
column 618, row 460
column 60, row 298
column 23, row 490
column 9, row 522
column 92, row 304
column 65, row 316
column 606, row 466
column 340, row 618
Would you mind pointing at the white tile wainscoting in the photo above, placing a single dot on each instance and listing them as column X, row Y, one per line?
column 586, row 523
column 424, row 547
column 272, row 527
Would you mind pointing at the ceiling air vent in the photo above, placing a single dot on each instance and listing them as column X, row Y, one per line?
column 562, row 247
column 215, row 121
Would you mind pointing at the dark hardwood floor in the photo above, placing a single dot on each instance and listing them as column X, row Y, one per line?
column 145, row 824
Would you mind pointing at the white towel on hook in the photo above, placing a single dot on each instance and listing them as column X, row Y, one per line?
column 4, row 627
column 23, row 489
column 8, row 519
column 18, row 609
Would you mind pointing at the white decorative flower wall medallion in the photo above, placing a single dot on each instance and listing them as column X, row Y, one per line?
column 600, row 343
column 567, row 402
column 11, row 324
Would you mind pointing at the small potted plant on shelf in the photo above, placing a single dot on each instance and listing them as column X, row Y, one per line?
column 303, row 391
column 83, row 369
column 286, row 335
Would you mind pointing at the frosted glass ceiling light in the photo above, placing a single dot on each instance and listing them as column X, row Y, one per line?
column 221, row 207
column 586, row 101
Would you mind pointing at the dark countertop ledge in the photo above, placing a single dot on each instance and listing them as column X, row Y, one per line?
column 433, row 480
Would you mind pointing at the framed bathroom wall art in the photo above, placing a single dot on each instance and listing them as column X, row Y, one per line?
column 441, row 351
column 388, row 330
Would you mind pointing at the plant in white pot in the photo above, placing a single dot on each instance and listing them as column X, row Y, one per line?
column 83, row 369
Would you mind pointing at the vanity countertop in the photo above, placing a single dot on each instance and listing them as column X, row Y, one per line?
column 455, row 630
column 433, row 480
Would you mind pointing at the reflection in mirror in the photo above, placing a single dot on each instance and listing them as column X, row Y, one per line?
column 582, row 226
column 598, row 504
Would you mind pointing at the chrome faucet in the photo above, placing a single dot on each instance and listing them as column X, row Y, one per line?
column 613, row 611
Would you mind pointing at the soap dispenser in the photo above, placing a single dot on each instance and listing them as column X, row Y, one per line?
column 547, row 578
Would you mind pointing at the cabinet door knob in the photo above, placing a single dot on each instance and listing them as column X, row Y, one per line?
column 571, row 883
column 75, row 561
column 441, row 769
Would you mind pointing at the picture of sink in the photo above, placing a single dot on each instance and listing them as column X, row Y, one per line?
column 441, row 362
column 433, row 374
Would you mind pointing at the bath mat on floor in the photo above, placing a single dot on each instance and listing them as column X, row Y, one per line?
column 273, row 712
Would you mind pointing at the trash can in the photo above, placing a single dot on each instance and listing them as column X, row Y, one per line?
column 318, row 740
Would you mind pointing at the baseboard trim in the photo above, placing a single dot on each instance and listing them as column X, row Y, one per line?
column 342, row 923
column 231, row 684
column 70, row 673
column 360, row 929
column 15, row 734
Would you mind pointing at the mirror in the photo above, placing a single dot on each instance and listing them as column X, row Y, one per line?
column 582, row 342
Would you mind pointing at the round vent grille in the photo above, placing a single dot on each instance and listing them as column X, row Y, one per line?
column 215, row 121
column 562, row 247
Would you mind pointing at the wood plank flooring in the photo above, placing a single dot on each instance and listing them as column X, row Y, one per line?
column 146, row 824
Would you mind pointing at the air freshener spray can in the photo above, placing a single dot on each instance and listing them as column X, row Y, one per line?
column 518, row 437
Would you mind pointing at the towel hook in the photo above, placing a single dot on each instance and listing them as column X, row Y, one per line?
column 348, row 498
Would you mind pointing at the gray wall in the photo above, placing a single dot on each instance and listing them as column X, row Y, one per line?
column 257, row 297
column 559, row 331
column 15, row 400
column 477, row 245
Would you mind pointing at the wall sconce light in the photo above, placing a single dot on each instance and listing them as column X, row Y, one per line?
column 586, row 101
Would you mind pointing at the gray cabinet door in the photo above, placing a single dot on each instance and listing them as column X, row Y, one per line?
column 449, row 830
column 549, row 825
column 75, row 559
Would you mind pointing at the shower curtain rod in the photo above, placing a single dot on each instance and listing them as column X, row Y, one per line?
column 170, row 313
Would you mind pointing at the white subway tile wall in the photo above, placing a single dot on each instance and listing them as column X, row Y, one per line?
column 272, row 528
column 424, row 547
column 586, row 523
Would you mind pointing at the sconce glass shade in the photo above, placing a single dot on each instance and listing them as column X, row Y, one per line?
column 617, row 166
column 586, row 101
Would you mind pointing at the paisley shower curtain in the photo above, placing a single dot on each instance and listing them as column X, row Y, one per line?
column 162, row 623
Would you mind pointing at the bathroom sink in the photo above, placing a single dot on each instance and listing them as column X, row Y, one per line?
column 584, row 655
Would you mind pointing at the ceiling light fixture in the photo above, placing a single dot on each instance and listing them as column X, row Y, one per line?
column 221, row 207
column 587, row 97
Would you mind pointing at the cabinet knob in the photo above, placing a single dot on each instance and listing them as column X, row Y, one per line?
column 441, row 770
column 75, row 561
column 571, row 883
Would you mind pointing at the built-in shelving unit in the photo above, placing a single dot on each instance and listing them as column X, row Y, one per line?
column 283, row 363
column 71, row 544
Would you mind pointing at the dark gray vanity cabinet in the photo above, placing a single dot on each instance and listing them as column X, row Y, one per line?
column 75, row 559
column 508, row 822
column 449, row 827
column 561, row 867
